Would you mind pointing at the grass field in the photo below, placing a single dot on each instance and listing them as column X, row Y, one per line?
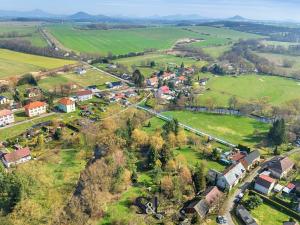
column 29, row 29
column 276, row 90
column 15, row 63
column 216, row 51
column 136, row 40
column 237, row 130
column 161, row 60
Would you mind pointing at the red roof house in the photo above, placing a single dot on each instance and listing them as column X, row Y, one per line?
column 18, row 156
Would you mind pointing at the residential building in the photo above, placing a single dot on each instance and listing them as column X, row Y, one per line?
column 33, row 92
column 16, row 157
column 289, row 188
column 244, row 215
column 93, row 88
column 162, row 91
column 231, row 177
column 6, row 117
column 290, row 223
column 130, row 94
column 152, row 81
column 84, row 95
column 199, row 206
column 281, row 167
column 251, row 160
column 35, row 108
column 114, row 85
column 203, row 81
column 264, row 184
column 168, row 76
column 66, row 105
column 80, row 71
column 4, row 100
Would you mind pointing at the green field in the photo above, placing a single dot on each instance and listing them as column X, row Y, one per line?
column 237, row 130
column 15, row 63
column 28, row 29
column 92, row 77
column 216, row 51
column 276, row 90
column 136, row 40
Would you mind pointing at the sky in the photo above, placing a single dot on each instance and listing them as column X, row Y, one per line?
column 253, row 9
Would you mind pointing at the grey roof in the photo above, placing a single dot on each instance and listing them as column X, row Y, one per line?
column 290, row 223
column 202, row 208
column 281, row 165
column 244, row 215
column 2, row 97
column 249, row 159
column 234, row 173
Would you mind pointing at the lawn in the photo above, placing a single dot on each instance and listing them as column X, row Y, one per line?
column 276, row 90
column 216, row 51
column 137, row 40
column 15, row 63
column 237, row 130
column 267, row 215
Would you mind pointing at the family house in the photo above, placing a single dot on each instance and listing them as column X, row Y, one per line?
column 251, row 160
column 4, row 100
column 33, row 92
column 16, row 157
column 35, row 108
column 80, row 71
column 281, row 167
column 231, row 177
column 114, row 85
column 264, row 184
column 244, row 215
column 203, row 81
column 93, row 88
column 66, row 105
column 168, row 76
column 152, row 81
column 6, row 117
column 289, row 188
column 84, row 95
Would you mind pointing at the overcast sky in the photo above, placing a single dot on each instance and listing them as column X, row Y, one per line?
column 254, row 9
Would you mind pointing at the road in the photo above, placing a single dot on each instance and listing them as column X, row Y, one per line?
column 245, row 184
column 186, row 127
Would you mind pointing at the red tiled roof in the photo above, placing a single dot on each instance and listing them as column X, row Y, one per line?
column 16, row 155
column 266, row 178
column 66, row 101
column 238, row 156
column 182, row 78
column 212, row 194
column 165, row 89
column 291, row 186
column 5, row 112
column 83, row 93
column 34, row 105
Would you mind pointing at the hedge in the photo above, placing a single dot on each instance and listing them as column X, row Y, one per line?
column 278, row 206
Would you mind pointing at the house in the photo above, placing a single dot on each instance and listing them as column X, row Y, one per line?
column 112, row 66
column 168, row 76
column 290, row 223
column 201, row 207
column 152, row 81
column 212, row 195
column 243, row 214
column 237, row 156
column 4, row 100
column 251, row 160
column 264, row 184
column 93, row 88
column 80, row 71
column 16, row 157
column 130, row 94
column 84, row 95
column 6, row 117
column 289, row 188
column 33, row 92
column 281, row 167
column 231, row 177
column 35, row 108
column 203, row 81
column 114, row 85
column 66, row 105
column 278, row 188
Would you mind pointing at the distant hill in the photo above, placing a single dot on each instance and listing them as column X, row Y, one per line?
column 37, row 13
column 238, row 18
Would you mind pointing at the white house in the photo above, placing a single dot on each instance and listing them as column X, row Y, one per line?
column 153, row 81
column 264, row 184
column 6, row 117
column 18, row 156
column 66, row 105
column 84, row 95
column 4, row 100
column 231, row 176
column 35, row 109
column 80, row 71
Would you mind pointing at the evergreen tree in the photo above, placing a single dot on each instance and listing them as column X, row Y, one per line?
column 199, row 177
column 138, row 78
column 277, row 133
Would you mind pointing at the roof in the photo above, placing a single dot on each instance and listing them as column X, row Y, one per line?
column 265, row 181
column 165, row 89
column 278, row 187
column 2, row 97
column 34, row 105
column 282, row 165
column 5, row 112
column 200, row 206
column 84, row 92
column 212, row 194
column 244, row 215
column 251, row 157
column 116, row 83
column 16, row 155
column 66, row 101
column 290, row 223
column 233, row 173
column 153, row 79
column 238, row 156
column 291, row 186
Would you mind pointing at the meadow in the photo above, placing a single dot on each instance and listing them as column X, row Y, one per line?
column 16, row 63
column 276, row 90
column 137, row 40
column 216, row 51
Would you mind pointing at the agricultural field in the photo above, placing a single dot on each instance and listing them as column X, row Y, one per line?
column 28, row 31
column 216, row 51
column 237, row 130
column 92, row 77
column 15, row 63
column 137, row 40
column 162, row 61
column 276, row 90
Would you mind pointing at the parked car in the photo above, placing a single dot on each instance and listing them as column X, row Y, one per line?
column 222, row 220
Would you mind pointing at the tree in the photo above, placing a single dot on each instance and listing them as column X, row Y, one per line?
column 139, row 137
column 166, row 185
column 232, row 102
column 182, row 65
column 156, row 142
column 199, row 177
column 216, row 154
column 57, row 134
column 138, row 79
column 277, row 133
column 41, row 142
column 181, row 138
column 253, row 202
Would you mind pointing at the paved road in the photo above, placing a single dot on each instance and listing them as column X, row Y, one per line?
column 186, row 127
column 245, row 184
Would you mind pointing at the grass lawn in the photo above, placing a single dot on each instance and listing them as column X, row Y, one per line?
column 267, row 215
column 237, row 130
column 216, row 51
column 275, row 90
column 15, row 63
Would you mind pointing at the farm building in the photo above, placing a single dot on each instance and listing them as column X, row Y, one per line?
column 84, row 95
column 264, row 184
column 35, row 109
column 231, row 176
column 6, row 117
column 281, row 167
column 66, row 105
column 18, row 156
